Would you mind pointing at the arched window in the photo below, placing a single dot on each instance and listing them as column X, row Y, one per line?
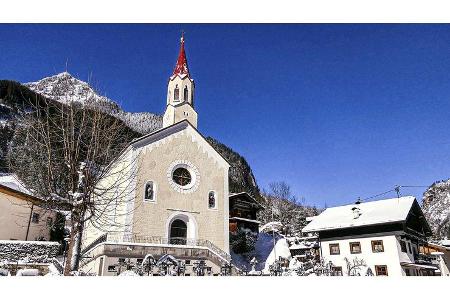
column 176, row 94
column 212, row 199
column 185, row 93
column 149, row 193
column 178, row 232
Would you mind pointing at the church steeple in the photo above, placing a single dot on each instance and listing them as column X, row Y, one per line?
column 181, row 68
column 180, row 92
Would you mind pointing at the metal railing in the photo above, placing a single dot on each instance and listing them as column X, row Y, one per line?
column 58, row 266
column 99, row 240
column 422, row 258
column 158, row 240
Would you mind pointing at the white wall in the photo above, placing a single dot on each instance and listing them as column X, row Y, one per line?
column 390, row 256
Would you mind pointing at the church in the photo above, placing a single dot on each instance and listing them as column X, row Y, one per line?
column 173, row 196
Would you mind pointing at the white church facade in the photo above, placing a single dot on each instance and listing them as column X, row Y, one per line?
column 172, row 197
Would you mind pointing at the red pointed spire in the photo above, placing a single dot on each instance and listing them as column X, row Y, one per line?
column 181, row 68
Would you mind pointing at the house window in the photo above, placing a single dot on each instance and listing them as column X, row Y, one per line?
column 176, row 94
column 336, row 271
column 377, row 246
column 381, row 270
column 111, row 268
column 355, row 247
column 403, row 246
column 211, row 199
column 35, row 218
column 149, row 194
column 185, row 93
column 334, row 249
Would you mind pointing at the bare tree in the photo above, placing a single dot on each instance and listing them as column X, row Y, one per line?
column 286, row 208
column 64, row 154
column 354, row 266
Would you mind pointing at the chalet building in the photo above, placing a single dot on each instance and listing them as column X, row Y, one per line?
column 304, row 248
column 243, row 210
column 177, row 202
column 21, row 216
column 388, row 235
column 440, row 256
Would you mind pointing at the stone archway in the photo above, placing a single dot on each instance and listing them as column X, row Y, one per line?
column 181, row 228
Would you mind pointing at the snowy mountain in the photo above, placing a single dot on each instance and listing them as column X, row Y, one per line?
column 241, row 175
column 436, row 207
column 65, row 88
column 15, row 99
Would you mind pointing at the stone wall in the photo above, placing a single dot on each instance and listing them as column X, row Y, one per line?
column 28, row 251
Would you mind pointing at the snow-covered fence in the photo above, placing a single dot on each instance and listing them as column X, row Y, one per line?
column 28, row 251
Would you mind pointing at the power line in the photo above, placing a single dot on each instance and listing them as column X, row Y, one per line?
column 396, row 189
column 415, row 186
column 377, row 195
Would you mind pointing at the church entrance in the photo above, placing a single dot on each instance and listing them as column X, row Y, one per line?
column 178, row 232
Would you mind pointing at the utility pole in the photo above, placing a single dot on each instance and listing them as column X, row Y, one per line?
column 29, row 222
column 397, row 190
column 273, row 234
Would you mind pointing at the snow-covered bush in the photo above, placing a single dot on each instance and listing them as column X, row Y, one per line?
column 81, row 273
column 280, row 253
column 28, row 272
column 4, row 272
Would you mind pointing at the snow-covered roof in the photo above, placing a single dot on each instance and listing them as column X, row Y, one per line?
column 309, row 219
column 367, row 213
column 445, row 243
column 11, row 181
column 302, row 246
column 247, row 196
column 272, row 226
column 246, row 220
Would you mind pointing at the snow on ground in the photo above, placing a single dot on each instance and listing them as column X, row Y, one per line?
column 263, row 247
column 28, row 272
column 281, row 249
column 128, row 273
column 272, row 226
column 52, row 271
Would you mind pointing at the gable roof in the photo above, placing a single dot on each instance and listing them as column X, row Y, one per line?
column 167, row 131
column 12, row 186
column 11, row 181
column 370, row 213
column 248, row 197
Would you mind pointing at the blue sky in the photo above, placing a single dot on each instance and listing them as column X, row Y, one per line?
column 336, row 111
